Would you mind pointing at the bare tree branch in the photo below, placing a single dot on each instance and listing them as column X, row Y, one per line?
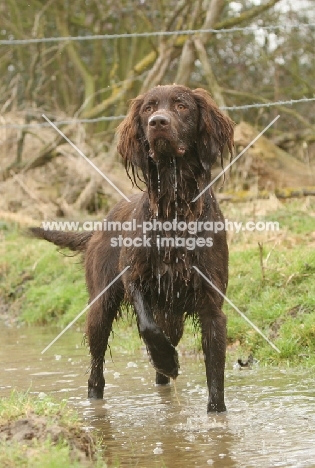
column 159, row 68
column 246, row 15
column 186, row 63
column 88, row 79
column 211, row 79
column 188, row 57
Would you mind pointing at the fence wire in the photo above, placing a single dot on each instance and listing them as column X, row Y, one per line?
column 121, row 117
column 186, row 32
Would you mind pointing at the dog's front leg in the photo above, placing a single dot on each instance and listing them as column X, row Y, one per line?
column 163, row 355
column 213, row 325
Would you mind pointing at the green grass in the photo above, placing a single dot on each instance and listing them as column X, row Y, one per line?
column 41, row 285
column 273, row 285
column 22, row 404
column 44, row 433
column 281, row 304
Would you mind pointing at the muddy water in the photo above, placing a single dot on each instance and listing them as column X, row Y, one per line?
column 270, row 420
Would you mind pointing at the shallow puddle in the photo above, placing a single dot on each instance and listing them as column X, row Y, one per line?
column 270, row 420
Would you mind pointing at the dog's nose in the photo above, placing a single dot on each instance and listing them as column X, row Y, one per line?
column 159, row 121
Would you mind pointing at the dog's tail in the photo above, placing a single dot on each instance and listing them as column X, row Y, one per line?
column 76, row 241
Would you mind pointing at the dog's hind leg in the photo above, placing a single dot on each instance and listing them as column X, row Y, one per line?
column 162, row 353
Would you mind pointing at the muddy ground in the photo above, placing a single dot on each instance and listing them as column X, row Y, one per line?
column 33, row 430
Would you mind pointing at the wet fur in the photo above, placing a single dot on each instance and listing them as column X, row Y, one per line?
column 170, row 139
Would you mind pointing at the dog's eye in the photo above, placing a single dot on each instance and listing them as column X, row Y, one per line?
column 180, row 107
column 148, row 108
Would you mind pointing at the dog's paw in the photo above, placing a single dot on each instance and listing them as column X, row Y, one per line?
column 161, row 379
column 95, row 392
column 162, row 353
column 165, row 363
column 216, row 407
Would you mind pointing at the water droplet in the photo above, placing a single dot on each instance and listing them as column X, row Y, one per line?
column 159, row 189
column 158, row 451
column 175, row 189
column 131, row 364
column 158, row 237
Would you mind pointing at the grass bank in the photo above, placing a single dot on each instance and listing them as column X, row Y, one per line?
column 271, row 281
column 38, row 432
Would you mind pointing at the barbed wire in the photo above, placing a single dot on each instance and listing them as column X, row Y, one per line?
column 120, row 117
column 187, row 32
column 268, row 104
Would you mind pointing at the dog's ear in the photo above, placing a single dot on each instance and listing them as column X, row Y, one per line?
column 215, row 130
column 131, row 144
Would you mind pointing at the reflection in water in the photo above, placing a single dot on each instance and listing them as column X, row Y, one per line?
column 270, row 420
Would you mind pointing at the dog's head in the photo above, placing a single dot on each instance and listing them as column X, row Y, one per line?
column 173, row 121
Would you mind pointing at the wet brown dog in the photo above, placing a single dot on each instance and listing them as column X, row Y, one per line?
column 170, row 139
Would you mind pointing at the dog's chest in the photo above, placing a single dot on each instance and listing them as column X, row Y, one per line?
column 171, row 275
